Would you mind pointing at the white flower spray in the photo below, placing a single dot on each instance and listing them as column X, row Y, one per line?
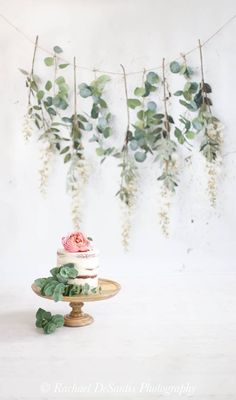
column 46, row 153
column 77, row 179
column 128, row 194
column 214, row 165
column 27, row 128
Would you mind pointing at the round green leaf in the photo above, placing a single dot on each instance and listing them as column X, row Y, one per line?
column 50, row 328
column 57, row 49
column 40, row 94
column 175, row 67
column 133, row 103
column 134, row 145
column 152, row 78
column 58, row 320
column 151, row 105
column 140, row 156
column 190, row 135
column 139, row 91
column 84, row 90
column 49, row 61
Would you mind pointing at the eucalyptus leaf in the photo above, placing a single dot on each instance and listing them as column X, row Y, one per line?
column 49, row 61
column 48, row 85
column 57, row 49
column 133, row 103
column 175, row 67
column 152, row 78
column 139, row 91
column 62, row 66
column 140, row 156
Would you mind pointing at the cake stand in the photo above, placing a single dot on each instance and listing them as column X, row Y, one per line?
column 77, row 317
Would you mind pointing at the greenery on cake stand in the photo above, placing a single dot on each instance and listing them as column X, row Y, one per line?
column 57, row 284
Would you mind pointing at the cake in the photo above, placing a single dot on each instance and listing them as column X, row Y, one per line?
column 77, row 249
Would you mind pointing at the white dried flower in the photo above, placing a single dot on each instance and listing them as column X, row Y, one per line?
column 27, row 126
column 45, row 156
column 77, row 179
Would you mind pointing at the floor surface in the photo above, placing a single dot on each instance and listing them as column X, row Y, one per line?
column 172, row 336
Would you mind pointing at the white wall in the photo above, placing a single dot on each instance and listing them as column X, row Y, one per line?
column 103, row 34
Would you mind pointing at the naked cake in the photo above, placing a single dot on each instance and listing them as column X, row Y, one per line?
column 77, row 249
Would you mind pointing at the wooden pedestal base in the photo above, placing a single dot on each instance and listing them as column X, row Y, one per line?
column 77, row 317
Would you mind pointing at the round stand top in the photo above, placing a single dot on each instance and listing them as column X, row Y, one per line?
column 108, row 289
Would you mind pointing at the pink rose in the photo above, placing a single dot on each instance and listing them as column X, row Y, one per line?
column 76, row 242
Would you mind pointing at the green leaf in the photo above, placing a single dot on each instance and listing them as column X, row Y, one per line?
column 100, row 82
column 175, row 67
column 133, row 103
column 140, row 115
column 23, row 71
column 41, row 313
column 48, row 85
column 206, row 88
column 100, row 151
column 95, row 111
column 152, row 78
column 134, row 145
column 140, row 156
column 62, row 66
column 151, row 105
column 51, row 111
column 58, row 320
column 40, row 94
column 60, row 80
column 67, row 158
column 107, row 132
column 49, row 61
column 88, row 126
column 197, row 124
column 178, row 93
column 58, row 291
column 50, row 328
column 67, row 148
column 102, row 103
column 40, row 282
column 84, row 90
column 179, row 135
column 57, row 49
column 190, row 135
column 139, row 91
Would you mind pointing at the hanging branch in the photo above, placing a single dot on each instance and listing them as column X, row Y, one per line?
column 205, row 98
column 166, row 122
column 127, row 108
column 75, row 94
column 32, row 69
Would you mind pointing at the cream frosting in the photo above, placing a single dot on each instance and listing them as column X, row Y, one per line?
column 86, row 263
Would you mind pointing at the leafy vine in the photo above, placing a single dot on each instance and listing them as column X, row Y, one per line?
column 150, row 134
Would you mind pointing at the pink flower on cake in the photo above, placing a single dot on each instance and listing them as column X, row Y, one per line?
column 76, row 242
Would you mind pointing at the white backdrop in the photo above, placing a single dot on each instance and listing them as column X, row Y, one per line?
column 103, row 34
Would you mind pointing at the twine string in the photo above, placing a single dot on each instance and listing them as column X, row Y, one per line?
column 114, row 72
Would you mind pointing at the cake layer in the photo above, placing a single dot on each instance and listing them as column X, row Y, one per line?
column 85, row 260
column 92, row 282
column 86, row 263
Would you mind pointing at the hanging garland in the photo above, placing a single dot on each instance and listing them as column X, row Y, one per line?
column 195, row 98
column 151, row 133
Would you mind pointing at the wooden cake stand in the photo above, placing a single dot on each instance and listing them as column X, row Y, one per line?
column 77, row 317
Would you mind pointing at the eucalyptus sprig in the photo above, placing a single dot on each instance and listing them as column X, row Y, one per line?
column 46, row 101
column 57, row 285
column 145, row 129
column 47, row 321
column 195, row 98
column 99, row 114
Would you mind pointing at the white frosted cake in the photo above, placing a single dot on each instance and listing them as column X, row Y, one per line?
column 77, row 250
